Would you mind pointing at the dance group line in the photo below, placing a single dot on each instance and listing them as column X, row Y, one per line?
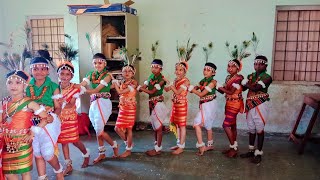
column 39, row 113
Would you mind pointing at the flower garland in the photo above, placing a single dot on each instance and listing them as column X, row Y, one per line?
column 34, row 97
column 97, row 81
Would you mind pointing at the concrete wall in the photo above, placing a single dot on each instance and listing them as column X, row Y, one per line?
column 2, row 21
column 2, row 36
column 202, row 21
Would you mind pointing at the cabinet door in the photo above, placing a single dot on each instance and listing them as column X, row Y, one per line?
column 88, row 24
column 132, row 33
column 132, row 40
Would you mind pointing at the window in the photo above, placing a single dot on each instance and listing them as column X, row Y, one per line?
column 297, row 44
column 47, row 31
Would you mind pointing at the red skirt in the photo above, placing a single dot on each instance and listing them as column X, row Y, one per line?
column 232, row 109
column 69, row 126
column 179, row 114
column 126, row 116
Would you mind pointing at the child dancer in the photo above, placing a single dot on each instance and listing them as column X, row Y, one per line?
column 208, row 106
column 43, row 91
column 179, row 113
column 158, row 111
column 68, row 116
column 234, row 104
column 180, row 105
column 100, row 108
column 127, row 106
column 257, row 106
column 16, row 114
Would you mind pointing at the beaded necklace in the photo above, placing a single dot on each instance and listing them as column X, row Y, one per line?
column 94, row 74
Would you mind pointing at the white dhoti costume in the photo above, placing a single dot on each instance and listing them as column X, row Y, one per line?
column 207, row 114
column 99, row 113
column 158, row 115
column 256, row 117
column 45, row 140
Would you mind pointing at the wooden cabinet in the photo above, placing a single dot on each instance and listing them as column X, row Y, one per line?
column 108, row 31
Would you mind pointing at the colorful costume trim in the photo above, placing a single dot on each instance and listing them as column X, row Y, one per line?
column 256, row 98
column 180, row 104
column 45, row 142
column 234, row 102
column 127, row 106
column 69, row 122
column 207, row 104
column 17, row 155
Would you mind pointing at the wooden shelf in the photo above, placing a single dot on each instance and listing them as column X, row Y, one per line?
column 125, row 34
column 113, row 59
column 115, row 72
column 120, row 37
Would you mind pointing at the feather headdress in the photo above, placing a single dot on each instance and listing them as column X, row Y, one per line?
column 207, row 51
column 130, row 64
column 184, row 54
column 258, row 57
column 154, row 48
column 67, row 54
column 237, row 54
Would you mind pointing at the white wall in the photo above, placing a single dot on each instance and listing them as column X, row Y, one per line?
column 202, row 21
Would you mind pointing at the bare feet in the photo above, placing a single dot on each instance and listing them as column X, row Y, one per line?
column 60, row 176
column 226, row 151
column 209, row 148
column 116, row 151
column 232, row 153
column 174, row 148
column 85, row 162
column 153, row 152
column 125, row 154
column 99, row 158
column 177, row 151
column 68, row 170
column 201, row 151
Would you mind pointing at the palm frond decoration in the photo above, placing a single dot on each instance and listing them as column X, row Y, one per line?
column 184, row 52
column 208, row 50
column 154, row 48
